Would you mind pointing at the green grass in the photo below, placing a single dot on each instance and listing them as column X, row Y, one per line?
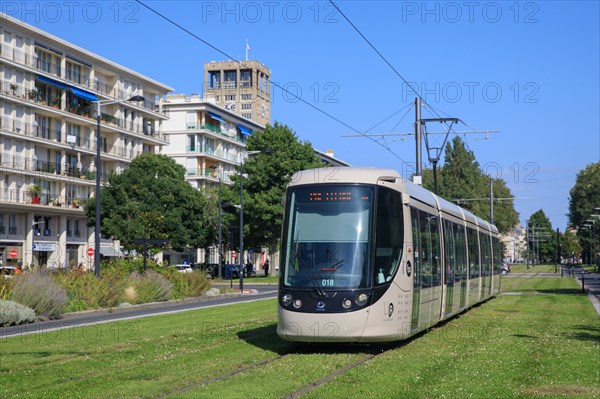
column 533, row 269
column 514, row 346
column 541, row 284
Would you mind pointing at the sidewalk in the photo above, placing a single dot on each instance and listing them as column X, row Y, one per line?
column 590, row 283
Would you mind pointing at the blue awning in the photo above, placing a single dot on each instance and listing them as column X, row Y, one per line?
column 244, row 130
column 84, row 94
column 51, row 81
column 217, row 117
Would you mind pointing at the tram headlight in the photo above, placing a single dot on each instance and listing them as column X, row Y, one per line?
column 361, row 299
column 346, row 303
column 297, row 304
column 286, row 300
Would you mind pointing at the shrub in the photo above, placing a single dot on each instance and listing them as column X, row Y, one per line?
column 85, row 291
column 198, row 284
column 13, row 314
column 149, row 287
column 38, row 291
column 187, row 284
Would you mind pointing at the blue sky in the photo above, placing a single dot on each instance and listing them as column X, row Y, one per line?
column 529, row 69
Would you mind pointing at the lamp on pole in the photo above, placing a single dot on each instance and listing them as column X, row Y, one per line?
column 98, row 179
column 242, row 265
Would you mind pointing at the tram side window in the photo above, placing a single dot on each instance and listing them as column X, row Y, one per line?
column 497, row 255
column 461, row 252
column 473, row 244
column 390, row 237
column 414, row 217
column 449, row 251
column 430, row 240
column 486, row 261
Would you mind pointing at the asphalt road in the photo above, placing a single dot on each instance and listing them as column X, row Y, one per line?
column 252, row 292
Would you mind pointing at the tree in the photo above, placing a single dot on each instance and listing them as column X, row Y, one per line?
column 583, row 200
column 462, row 181
column 151, row 199
column 541, row 237
column 266, row 176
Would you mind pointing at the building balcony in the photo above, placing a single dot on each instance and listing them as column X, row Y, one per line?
column 204, row 150
column 34, row 62
column 9, row 196
column 217, row 131
column 84, row 110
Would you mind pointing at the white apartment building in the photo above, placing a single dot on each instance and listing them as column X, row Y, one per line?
column 209, row 141
column 49, row 92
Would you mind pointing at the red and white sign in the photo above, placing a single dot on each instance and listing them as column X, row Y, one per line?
column 233, row 254
column 90, row 251
column 13, row 253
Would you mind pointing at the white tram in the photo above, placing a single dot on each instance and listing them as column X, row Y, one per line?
column 367, row 257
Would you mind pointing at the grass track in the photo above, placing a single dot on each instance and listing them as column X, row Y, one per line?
column 515, row 346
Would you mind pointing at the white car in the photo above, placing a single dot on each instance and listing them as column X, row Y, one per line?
column 184, row 268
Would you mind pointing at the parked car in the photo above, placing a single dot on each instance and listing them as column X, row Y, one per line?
column 211, row 269
column 184, row 268
column 505, row 269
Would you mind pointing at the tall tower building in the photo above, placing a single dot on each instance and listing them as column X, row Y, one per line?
column 240, row 87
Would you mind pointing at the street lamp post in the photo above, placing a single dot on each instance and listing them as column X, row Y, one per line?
column 98, row 170
column 242, row 266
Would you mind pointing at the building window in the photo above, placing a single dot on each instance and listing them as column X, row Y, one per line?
column 246, row 106
column 246, row 97
column 230, row 97
column 248, row 116
column 214, row 79
column 230, row 79
column 246, row 78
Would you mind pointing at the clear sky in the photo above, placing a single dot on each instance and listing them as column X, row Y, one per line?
column 528, row 69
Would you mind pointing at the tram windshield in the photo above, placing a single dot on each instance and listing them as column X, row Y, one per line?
column 327, row 237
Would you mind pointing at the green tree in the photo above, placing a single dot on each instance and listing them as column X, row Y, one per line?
column 541, row 236
column 266, row 176
column 462, row 181
column 151, row 199
column 583, row 200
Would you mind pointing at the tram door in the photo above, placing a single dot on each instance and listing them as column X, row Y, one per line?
column 416, row 270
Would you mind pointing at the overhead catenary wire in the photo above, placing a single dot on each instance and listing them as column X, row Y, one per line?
column 233, row 59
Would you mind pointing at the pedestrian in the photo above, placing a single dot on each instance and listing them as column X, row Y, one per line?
column 266, row 267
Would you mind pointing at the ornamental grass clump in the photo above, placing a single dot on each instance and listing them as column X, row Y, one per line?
column 148, row 287
column 41, row 293
column 14, row 314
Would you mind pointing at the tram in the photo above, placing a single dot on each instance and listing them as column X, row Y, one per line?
column 370, row 257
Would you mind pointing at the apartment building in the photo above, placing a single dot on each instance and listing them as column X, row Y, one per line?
column 208, row 140
column 49, row 95
column 243, row 87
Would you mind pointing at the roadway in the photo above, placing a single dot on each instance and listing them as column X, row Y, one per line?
column 252, row 292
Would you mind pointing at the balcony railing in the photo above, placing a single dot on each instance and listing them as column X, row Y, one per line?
column 47, row 199
column 31, row 95
column 208, row 173
column 216, row 130
column 211, row 151
column 51, row 68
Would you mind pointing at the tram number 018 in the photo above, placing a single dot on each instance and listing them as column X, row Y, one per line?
column 327, row 282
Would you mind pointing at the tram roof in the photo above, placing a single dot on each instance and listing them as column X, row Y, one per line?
column 370, row 175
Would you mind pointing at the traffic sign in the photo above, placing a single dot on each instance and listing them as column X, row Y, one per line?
column 13, row 253
column 90, row 251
